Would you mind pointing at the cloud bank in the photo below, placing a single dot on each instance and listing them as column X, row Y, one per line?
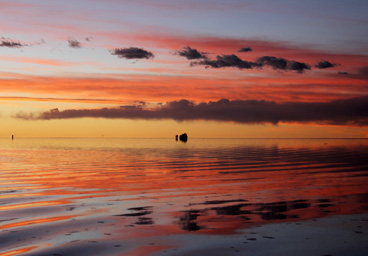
column 353, row 112
column 132, row 53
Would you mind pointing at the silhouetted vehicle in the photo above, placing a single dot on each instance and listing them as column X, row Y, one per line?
column 183, row 137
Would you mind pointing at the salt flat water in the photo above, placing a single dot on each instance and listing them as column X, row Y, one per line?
column 125, row 196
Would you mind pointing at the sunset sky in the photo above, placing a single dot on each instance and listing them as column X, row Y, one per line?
column 211, row 68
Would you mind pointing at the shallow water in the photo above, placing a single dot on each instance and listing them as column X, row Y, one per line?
column 105, row 196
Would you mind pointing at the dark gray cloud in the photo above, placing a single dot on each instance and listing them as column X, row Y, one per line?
column 274, row 62
column 232, row 60
column 132, row 53
column 6, row 42
column 74, row 43
column 245, row 49
column 299, row 67
column 353, row 111
column 325, row 64
column 227, row 61
column 283, row 64
column 191, row 53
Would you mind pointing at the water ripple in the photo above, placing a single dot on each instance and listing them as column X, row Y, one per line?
column 59, row 197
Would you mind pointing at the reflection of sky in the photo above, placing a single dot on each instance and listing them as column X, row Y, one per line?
column 113, row 189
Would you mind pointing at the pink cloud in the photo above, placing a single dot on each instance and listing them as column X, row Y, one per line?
column 130, row 88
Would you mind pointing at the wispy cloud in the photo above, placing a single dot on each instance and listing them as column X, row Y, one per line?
column 343, row 73
column 131, row 87
column 6, row 42
column 360, row 74
column 132, row 53
column 363, row 73
column 73, row 43
column 351, row 111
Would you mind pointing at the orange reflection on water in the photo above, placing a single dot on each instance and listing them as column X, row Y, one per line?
column 18, row 251
column 128, row 190
column 32, row 204
column 36, row 221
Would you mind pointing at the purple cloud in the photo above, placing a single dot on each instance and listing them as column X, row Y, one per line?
column 5, row 42
column 74, row 44
column 283, row 64
column 325, row 64
column 132, row 53
column 227, row 61
column 191, row 53
column 233, row 60
column 245, row 49
column 353, row 111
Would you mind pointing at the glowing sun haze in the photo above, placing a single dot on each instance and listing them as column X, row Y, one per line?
column 210, row 68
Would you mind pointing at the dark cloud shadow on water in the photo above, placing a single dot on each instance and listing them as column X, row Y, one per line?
column 314, row 181
column 248, row 214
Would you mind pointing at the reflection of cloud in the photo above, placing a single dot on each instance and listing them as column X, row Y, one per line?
column 191, row 54
column 132, row 53
column 351, row 111
column 272, row 211
column 188, row 222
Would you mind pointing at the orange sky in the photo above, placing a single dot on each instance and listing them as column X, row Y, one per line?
column 56, row 56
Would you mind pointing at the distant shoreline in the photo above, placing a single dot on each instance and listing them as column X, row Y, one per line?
column 225, row 138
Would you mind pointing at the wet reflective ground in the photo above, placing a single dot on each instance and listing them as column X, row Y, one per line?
column 130, row 196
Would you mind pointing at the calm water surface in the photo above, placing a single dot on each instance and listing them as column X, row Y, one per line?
column 105, row 196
